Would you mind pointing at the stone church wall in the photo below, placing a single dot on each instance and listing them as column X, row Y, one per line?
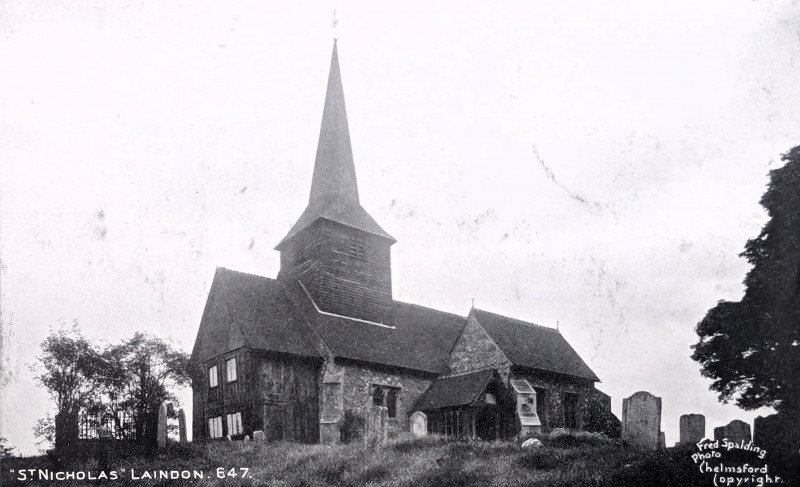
column 357, row 391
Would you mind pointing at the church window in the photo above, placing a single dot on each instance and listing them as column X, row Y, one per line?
column 355, row 248
column 213, row 376
column 234, row 424
column 386, row 396
column 215, row 427
column 230, row 369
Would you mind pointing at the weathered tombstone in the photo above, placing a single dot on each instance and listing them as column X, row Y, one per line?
column 259, row 435
column 182, row 425
column 662, row 441
column 246, row 438
column 376, row 428
column 735, row 431
column 331, row 415
column 693, row 428
column 532, row 443
column 641, row 420
column 419, row 424
column 161, row 429
column 228, row 438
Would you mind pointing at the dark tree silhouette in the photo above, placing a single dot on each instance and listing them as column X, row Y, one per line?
column 143, row 371
column 751, row 348
column 70, row 368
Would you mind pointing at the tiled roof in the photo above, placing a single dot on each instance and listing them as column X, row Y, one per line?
column 454, row 391
column 244, row 310
column 252, row 311
column 420, row 340
column 534, row 346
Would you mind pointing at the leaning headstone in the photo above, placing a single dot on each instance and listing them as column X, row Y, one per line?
column 735, row 431
column 259, row 435
column 182, row 425
column 641, row 420
column 532, row 443
column 376, row 428
column 161, row 429
column 419, row 424
column 228, row 438
column 692, row 428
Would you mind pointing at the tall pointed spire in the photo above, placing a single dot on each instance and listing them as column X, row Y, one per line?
column 334, row 170
column 334, row 190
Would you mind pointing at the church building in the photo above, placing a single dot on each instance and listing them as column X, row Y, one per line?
column 314, row 353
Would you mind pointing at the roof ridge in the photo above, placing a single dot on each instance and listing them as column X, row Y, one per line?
column 468, row 372
column 428, row 307
column 520, row 321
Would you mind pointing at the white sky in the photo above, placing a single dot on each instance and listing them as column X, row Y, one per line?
column 595, row 164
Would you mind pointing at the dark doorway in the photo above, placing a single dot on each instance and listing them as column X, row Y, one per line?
column 571, row 411
column 486, row 424
column 274, row 422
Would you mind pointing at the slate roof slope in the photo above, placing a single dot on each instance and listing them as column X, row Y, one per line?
column 454, row 391
column 420, row 340
column 253, row 311
column 534, row 346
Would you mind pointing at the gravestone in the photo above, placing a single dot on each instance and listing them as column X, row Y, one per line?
column 228, row 438
column 182, row 425
column 376, row 427
column 662, row 441
column 259, row 435
column 532, row 443
column 641, row 420
column 161, row 429
column 735, row 431
column 246, row 438
column 419, row 424
column 693, row 428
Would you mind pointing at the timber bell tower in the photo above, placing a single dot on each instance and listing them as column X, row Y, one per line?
column 336, row 250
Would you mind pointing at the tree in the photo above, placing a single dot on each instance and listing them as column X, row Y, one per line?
column 70, row 368
column 142, row 373
column 5, row 450
column 751, row 348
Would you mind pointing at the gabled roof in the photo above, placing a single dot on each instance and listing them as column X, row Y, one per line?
column 244, row 310
column 460, row 390
column 534, row 346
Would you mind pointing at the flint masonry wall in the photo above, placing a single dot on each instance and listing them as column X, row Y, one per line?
column 357, row 390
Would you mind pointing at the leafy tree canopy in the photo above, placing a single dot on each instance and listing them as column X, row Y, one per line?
column 751, row 348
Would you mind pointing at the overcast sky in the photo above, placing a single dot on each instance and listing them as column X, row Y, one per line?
column 595, row 166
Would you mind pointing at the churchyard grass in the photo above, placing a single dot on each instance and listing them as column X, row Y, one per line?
column 582, row 459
